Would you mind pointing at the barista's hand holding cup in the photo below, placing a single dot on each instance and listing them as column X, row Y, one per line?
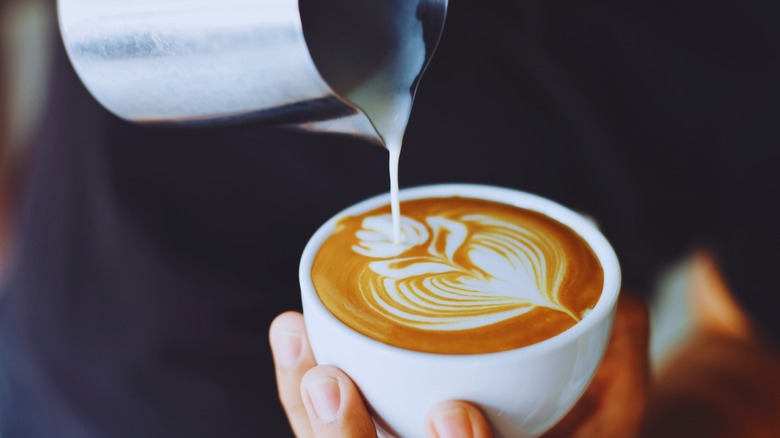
column 493, row 296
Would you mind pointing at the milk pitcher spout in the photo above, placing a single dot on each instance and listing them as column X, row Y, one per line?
column 304, row 63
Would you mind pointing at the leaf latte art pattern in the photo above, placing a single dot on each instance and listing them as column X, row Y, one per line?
column 474, row 271
column 463, row 268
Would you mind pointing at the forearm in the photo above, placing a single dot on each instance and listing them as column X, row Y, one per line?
column 717, row 386
column 723, row 381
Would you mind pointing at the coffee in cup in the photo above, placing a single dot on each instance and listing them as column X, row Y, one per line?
column 441, row 315
column 469, row 276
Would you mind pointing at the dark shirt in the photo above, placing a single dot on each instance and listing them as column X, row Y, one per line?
column 150, row 261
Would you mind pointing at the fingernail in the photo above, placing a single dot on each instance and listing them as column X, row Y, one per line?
column 453, row 423
column 325, row 398
column 288, row 347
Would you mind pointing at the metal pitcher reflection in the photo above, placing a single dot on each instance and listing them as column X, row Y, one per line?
column 340, row 66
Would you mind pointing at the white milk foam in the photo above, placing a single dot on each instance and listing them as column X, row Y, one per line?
column 509, row 267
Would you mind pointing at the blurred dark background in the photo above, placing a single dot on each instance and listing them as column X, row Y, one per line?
column 141, row 266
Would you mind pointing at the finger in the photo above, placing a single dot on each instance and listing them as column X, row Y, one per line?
column 334, row 405
column 457, row 419
column 614, row 403
column 631, row 332
column 292, row 358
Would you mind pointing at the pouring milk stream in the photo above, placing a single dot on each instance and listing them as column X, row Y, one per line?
column 389, row 38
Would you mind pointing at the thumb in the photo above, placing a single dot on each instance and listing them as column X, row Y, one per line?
column 334, row 405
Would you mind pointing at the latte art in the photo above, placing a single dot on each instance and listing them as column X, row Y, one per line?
column 463, row 268
column 464, row 279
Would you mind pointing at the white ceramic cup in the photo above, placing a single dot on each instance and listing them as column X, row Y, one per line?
column 523, row 392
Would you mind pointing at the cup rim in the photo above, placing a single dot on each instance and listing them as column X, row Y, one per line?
column 518, row 198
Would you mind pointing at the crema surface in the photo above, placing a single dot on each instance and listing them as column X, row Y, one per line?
column 469, row 276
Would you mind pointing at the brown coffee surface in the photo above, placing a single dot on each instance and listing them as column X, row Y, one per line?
column 469, row 276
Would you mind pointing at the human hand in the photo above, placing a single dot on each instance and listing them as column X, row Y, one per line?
column 322, row 401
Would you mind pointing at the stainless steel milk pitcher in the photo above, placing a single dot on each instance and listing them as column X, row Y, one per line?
column 276, row 61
